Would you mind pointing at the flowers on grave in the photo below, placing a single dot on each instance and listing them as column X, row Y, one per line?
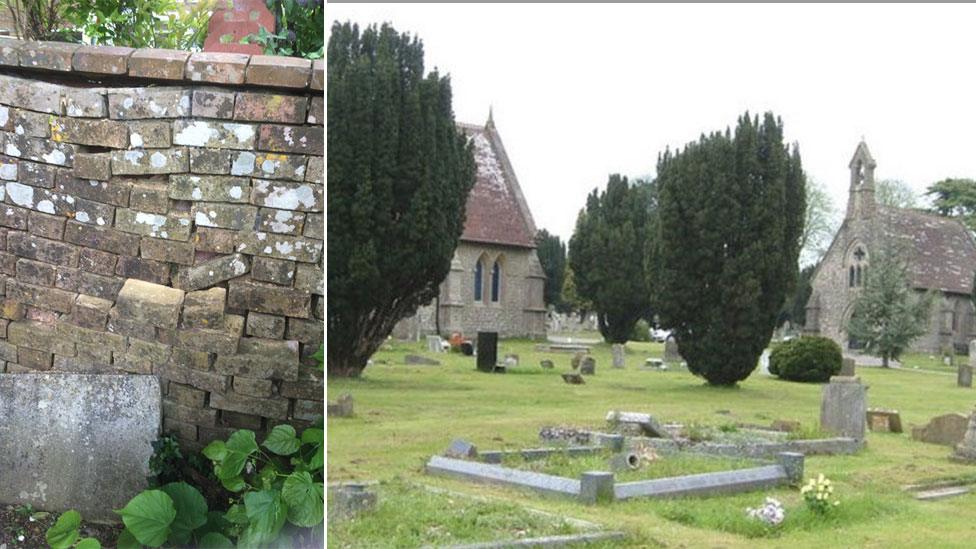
column 818, row 493
column 771, row 512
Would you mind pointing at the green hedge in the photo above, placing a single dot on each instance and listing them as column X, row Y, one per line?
column 809, row 358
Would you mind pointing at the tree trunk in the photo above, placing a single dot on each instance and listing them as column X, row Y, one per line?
column 884, row 361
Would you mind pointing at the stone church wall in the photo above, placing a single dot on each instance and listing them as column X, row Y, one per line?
column 162, row 214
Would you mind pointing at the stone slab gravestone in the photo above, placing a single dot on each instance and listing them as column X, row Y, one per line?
column 487, row 351
column 671, row 353
column 588, row 366
column 966, row 449
column 847, row 367
column 547, row 364
column 434, row 344
column 843, row 407
column 947, row 430
column 573, row 378
column 884, row 421
column 77, row 441
column 618, row 355
column 964, row 377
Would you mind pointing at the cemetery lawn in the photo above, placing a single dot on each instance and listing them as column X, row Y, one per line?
column 405, row 414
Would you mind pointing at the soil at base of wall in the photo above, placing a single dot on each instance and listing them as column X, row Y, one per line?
column 16, row 522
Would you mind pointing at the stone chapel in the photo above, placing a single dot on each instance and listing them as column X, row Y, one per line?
column 496, row 281
column 942, row 258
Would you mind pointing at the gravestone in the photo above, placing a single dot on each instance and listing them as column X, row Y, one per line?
column 847, row 366
column 511, row 359
column 487, row 351
column 546, row 364
column 341, row 408
column 966, row 449
column 350, row 499
column 461, row 449
column 884, row 421
column 636, row 423
column 417, row 360
column 77, row 441
column 947, row 430
column 434, row 344
column 655, row 364
column 964, row 377
column 588, row 366
column 843, row 407
column 573, row 378
column 577, row 358
column 671, row 353
column 764, row 362
column 618, row 355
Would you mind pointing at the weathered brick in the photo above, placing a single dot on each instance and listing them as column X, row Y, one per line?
column 210, row 341
column 130, row 328
column 197, row 360
column 37, row 175
column 100, row 238
column 30, row 124
column 181, row 429
column 277, row 350
column 48, row 226
column 8, row 264
column 316, row 170
column 39, row 150
column 269, row 299
column 85, row 102
column 217, row 135
column 133, row 364
column 314, row 226
column 156, row 353
column 149, row 196
column 35, row 272
column 93, row 353
column 226, row 216
column 114, row 191
column 266, row 107
column 213, row 271
column 282, row 195
column 209, row 188
column 8, row 169
column 150, row 134
column 310, row 278
column 34, row 359
column 84, row 282
column 56, row 203
column 172, row 226
column 291, row 139
column 140, row 103
column 30, row 94
column 274, row 70
column 139, row 162
column 213, row 103
column 269, row 165
column 143, row 269
column 318, row 75
column 252, row 387
column 221, row 241
column 3, row 330
column 238, row 420
column 264, row 325
column 54, row 56
column 152, row 304
column 309, row 386
column 41, row 249
column 90, row 312
column 276, row 271
column 211, row 161
column 316, row 111
column 10, row 52
column 280, row 246
column 102, row 59
column 197, row 416
column 98, row 262
column 168, row 251
column 11, row 310
column 12, row 216
column 280, row 221
column 8, row 352
column 39, row 336
column 158, row 63
column 97, row 166
column 185, row 395
column 308, row 410
column 97, row 132
column 204, row 309
column 43, row 316
column 267, row 407
column 217, row 67
column 71, row 331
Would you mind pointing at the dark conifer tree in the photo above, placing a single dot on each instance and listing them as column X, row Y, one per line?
column 399, row 173
column 606, row 254
column 730, row 220
column 552, row 256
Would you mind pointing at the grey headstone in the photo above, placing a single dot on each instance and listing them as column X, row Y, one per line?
column 964, row 377
column 461, row 449
column 966, row 450
column 511, row 359
column 341, row 408
column 417, row 360
column 350, row 499
column 573, row 379
column 596, row 486
column 792, row 463
column 847, row 366
column 618, row 355
column 947, row 430
column 671, row 353
column 644, row 423
column 577, row 359
column 547, row 364
column 77, row 441
column 843, row 406
column 434, row 344
column 588, row 366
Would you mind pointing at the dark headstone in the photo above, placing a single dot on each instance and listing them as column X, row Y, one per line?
column 467, row 349
column 461, row 449
column 588, row 366
column 547, row 364
column 964, row 377
column 487, row 351
column 573, row 379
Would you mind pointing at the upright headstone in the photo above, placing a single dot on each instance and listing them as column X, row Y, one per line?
column 487, row 351
column 764, row 362
column 577, row 358
column 434, row 344
column 884, row 421
column 966, row 450
column 847, row 367
column 77, row 441
column 843, row 407
column 588, row 366
column 343, row 407
column 671, row 353
column 461, row 449
column 947, row 429
column 511, row 360
column 618, row 355
column 350, row 499
column 964, row 376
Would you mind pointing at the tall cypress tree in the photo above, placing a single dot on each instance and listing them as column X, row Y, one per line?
column 606, row 254
column 552, row 256
column 731, row 216
column 399, row 173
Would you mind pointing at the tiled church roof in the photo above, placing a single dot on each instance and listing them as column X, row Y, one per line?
column 945, row 253
column 496, row 209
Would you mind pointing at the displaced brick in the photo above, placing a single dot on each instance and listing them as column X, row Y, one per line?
column 217, row 67
column 146, row 162
column 211, row 103
column 48, row 226
column 167, row 251
column 253, row 387
column 274, row 70
column 54, row 56
column 41, row 249
column 269, row 299
column 158, row 63
column 316, row 111
column 213, row 271
column 302, row 197
column 266, row 107
column 143, row 269
column 209, row 188
column 129, row 328
column 280, row 221
column 30, row 94
column 291, row 139
column 276, row 271
column 114, row 191
column 310, row 278
column 266, row 407
column 214, row 240
column 204, row 309
column 90, row 312
column 225, row 216
column 152, row 304
column 140, row 103
column 314, row 226
column 149, row 196
column 205, row 340
column 99, row 132
column 102, row 59
column 172, row 226
column 84, row 282
column 150, row 134
column 85, row 102
column 264, row 325
column 93, row 166
column 280, row 246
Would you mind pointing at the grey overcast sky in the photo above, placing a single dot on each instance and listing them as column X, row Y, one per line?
column 582, row 91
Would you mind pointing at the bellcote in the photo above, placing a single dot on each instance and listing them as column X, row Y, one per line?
column 861, row 201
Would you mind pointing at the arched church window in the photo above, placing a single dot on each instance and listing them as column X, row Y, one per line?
column 850, row 282
column 496, row 283
column 478, row 280
column 857, row 281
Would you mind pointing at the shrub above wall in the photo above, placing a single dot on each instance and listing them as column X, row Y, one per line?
column 162, row 214
column 808, row 358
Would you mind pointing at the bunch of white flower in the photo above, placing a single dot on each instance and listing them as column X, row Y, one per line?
column 771, row 512
column 818, row 493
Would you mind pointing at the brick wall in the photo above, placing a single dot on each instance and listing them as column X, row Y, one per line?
column 161, row 213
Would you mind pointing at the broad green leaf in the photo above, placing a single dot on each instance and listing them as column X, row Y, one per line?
column 282, row 440
column 148, row 517
column 127, row 541
column 313, row 435
column 304, row 498
column 216, row 450
column 64, row 533
column 214, row 540
column 215, row 523
column 236, row 514
column 317, row 461
column 266, row 512
column 239, row 447
column 88, row 543
column 191, row 511
column 234, row 484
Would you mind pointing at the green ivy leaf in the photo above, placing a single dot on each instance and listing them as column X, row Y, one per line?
column 316, row 437
column 266, row 514
column 239, row 447
column 216, row 451
column 148, row 517
column 88, row 543
column 191, row 511
column 313, row 435
column 214, row 540
column 64, row 533
column 304, row 498
column 282, row 440
column 236, row 514
column 319, row 355
column 234, row 484
column 127, row 541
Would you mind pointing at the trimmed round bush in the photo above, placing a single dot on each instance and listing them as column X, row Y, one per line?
column 808, row 358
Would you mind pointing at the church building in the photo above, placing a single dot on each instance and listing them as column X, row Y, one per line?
column 942, row 257
column 496, row 281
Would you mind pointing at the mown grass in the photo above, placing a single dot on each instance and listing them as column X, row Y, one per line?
column 405, row 414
